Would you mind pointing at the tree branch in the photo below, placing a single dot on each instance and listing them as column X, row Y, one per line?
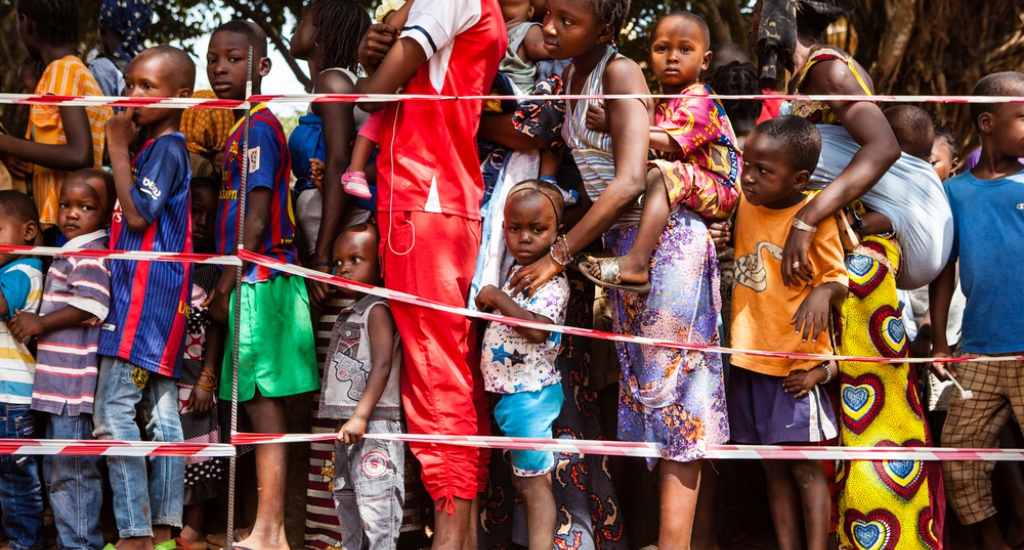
column 275, row 36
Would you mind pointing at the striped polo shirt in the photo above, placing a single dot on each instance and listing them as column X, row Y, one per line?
column 270, row 167
column 150, row 300
column 66, row 362
column 21, row 283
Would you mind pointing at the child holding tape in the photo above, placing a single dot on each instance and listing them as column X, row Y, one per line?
column 986, row 202
column 361, row 389
column 519, row 363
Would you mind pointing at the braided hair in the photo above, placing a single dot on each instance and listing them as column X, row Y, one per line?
column 611, row 12
column 340, row 25
column 738, row 79
column 56, row 20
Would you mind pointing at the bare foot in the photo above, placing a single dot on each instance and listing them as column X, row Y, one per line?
column 631, row 272
column 266, row 539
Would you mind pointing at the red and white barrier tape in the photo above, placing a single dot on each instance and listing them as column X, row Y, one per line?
column 190, row 103
column 411, row 299
column 576, row 331
column 122, row 255
column 650, row 450
column 110, row 448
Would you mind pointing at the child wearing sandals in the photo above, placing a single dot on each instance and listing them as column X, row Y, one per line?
column 519, row 363
column 702, row 161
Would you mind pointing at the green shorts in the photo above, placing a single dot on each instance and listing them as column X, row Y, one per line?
column 276, row 352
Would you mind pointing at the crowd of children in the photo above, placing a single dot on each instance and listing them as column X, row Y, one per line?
column 850, row 235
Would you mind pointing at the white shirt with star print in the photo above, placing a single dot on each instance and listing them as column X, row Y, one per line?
column 513, row 364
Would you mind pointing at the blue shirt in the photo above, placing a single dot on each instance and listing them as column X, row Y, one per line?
column 270, row 165
column 149, row 301
column 21, row 283
column 988, row 239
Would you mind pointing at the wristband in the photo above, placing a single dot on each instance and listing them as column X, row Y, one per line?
column 549, row 179
column 803, row 226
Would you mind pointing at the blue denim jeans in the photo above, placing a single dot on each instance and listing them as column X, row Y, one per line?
column 139, row 505
column 75, row 485
column 21, row 496
column 369, row 489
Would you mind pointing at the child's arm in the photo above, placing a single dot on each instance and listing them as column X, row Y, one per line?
column 381, row 327
column 257, row 219
column 76, row 154
column 492, row 297
column 661, row 141
column 801, row 382
column 121, row 130
column 201, row 400
column 533, row 45
column 25, row 325
column 550, row 163
column 875, row 223
column 339, row 132
column 940, row 294
column 813, row 314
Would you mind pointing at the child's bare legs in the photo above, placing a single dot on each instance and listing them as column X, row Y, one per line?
column 704, row 532
column 161, row 533
column 457, row 531
column 798, row 492
column 192, row 518
column 1010, row 478
column 268, row 416
column 679, row 483
column 541, row 515
column 634, row 267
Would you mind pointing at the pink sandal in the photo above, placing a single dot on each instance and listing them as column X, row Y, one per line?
column 354, row 183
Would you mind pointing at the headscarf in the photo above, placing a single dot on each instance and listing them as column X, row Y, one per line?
column 206, row 130
column 777, row 34
column 130, row 19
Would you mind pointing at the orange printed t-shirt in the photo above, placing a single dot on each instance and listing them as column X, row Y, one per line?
column 66, row 76
column 762, row 305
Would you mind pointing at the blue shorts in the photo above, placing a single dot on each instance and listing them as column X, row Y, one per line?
column 530, row 414
column 761, row 413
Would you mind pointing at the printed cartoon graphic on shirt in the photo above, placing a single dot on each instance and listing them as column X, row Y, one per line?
column 344, row 365
column 750, row 271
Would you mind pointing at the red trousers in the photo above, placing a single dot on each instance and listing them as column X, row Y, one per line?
column 434, row 256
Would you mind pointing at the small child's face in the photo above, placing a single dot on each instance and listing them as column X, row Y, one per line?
column 942, row 159
column 571, row 29
column 15, row 231
column 1007, row 129
column 227, row 65
column 768, row 178
column 355, row 257
column 153, row 76
column 29, row 80
column 204, row 218
column 516, row 11
column 80, row 209
column 678, row 52
column 530, row 226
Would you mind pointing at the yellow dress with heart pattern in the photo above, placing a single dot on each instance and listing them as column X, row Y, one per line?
column 883, row 505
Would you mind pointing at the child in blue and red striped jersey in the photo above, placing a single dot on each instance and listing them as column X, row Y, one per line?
column 276, row 356
column 143, row 337
column 76, row 300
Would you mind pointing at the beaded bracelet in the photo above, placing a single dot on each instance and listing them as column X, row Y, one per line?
column 207, row 387
column 554, row 257
column 828, row 373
